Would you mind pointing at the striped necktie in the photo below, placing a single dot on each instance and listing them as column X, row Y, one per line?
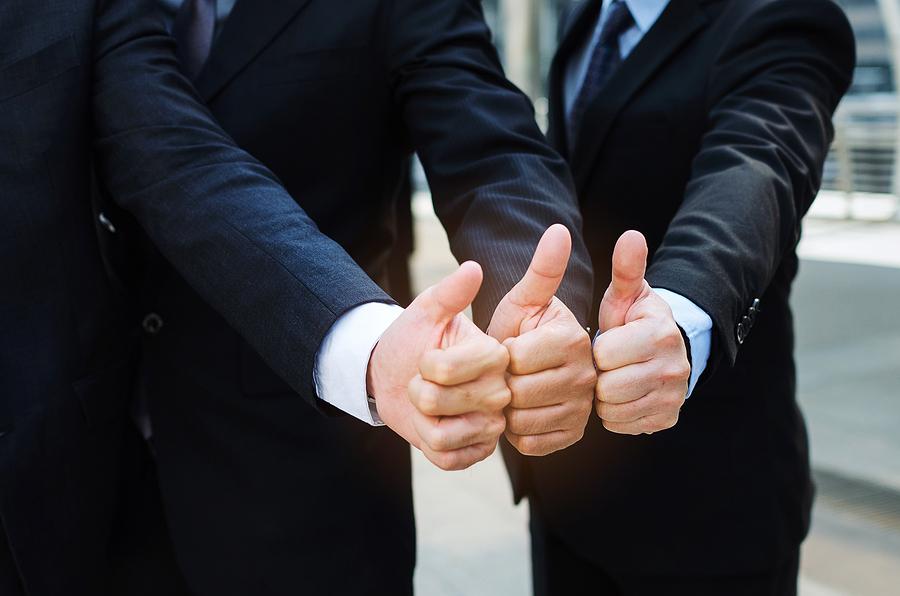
column 605, row 58
column 194, row 27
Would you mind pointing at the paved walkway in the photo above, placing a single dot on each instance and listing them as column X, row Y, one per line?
column 474, row 542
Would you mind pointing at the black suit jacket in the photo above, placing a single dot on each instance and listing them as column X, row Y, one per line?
column 710, row 139
column 77, row 74
column 333, row 97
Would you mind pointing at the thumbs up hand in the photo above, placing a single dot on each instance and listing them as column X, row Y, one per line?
column 640, row 353
column 551, row 373
column 437, row 380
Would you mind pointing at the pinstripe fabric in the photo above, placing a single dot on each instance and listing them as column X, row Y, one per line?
column 503, row 227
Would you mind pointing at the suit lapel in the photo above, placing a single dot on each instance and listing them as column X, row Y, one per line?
column 580, row 23
column 248, row 30
column 678, row 23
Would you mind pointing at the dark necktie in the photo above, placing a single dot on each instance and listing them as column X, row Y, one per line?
column 194, row 27
column 605, row 58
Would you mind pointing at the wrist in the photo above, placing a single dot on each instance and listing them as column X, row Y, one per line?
column 370, row 374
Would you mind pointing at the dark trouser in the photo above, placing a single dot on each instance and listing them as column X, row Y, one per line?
column 142, row 557
column 559, row 571
column 142, row 562
column 9, row 575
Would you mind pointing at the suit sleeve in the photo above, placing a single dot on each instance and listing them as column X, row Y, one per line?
column 215, row 213
column 497, row 184
column 773, row 91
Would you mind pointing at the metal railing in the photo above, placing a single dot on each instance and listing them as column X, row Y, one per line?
column 863, row 159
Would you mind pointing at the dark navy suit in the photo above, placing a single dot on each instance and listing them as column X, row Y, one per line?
column 94, row 83
column 260, row 487
column 710, row 138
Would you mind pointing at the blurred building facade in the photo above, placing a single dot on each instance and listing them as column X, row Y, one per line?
column 874, row 71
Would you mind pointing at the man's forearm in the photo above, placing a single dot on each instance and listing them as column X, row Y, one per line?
column 218, row 215
column 496, row 182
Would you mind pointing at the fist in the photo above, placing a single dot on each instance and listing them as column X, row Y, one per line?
column 551, row 369
column 551, row 380
column 459, row 396
column 439, row 381
column 640, row 354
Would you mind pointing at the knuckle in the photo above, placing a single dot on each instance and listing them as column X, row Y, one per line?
column 500, row 399
column 486, row 451
column 674, row 401
column 497, row 426
column 649, row 425
column 500, row 356
column 582, row 340
column 530, row 445
column 516, row 364
column 515, row 422
column 429, row 398
column 659, row 336
column 442, row 371
column 517, row 386
column 675, row 372
column 597, row 352
column 671, row 337
column 570, row 439
column 585, row 406
column 622, row 429
column 565, row 337
column 438, row 440
column 449, row 462
column 579, row 434
column 587, row 377
column 504, row 397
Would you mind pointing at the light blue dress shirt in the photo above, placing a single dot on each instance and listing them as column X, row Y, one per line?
column 696, row 323
column 223, row 9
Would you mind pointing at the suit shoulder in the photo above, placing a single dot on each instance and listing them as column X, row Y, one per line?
column 766, row 33
column 816, row 22
column 824, row 13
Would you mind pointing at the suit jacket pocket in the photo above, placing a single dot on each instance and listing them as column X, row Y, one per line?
column 38, row 68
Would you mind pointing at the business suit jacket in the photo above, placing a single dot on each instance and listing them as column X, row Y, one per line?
column 710, row 139
column 77, row 74
column 261, row 488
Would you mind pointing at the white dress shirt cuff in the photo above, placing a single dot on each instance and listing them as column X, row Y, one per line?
column 343, row 359
column 697, row 326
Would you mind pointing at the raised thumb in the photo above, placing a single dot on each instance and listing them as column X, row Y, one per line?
column 629, row 264
column 537, row 287
column 452, row 295
column 547, row 269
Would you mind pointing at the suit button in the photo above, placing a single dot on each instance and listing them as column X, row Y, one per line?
column 743, row 329
column 104, row 221
column 753, row 311
column 152, row 324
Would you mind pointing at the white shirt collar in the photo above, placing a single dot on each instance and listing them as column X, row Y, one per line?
column 645, row 12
